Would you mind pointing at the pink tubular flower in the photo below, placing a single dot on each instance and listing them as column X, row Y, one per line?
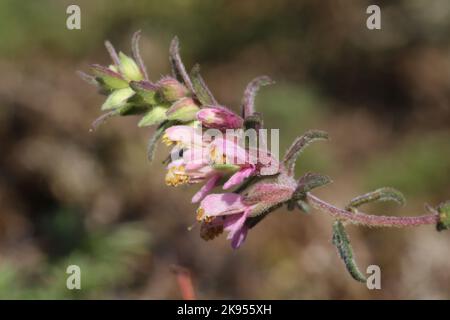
column 226, row 211
column 193, row 166
column 218, row 117
column 247, row 164
column 229, row 211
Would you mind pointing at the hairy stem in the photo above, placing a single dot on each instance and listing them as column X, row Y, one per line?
column 370, row 220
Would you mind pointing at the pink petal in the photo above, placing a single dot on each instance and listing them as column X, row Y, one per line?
column 239, row 177
column 195, row 157
column 219, row 118
column 187, row 135
column 235, row 154
column 235, row 226
column 239, row 238
column 223, row 204
column 206, row 188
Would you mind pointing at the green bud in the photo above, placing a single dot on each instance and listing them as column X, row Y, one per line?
column 154, row 116
column 146, row 90
column 171, row 90
column 444, row 216
column 129, row 68
column 117, row 98
column 108, row 77
column 183, row 110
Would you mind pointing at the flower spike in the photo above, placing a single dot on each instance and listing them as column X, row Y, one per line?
column 186, row 112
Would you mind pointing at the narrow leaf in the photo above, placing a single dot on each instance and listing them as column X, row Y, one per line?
column 112, row 52
column 308, row 182
column 248, row 101
column 342, row 243
column 382, row 194
column 102, row 119
column 87, row 77
column 178, row 69
column 299, row 145
column 201, row 90
column 151, row 147
column 136, row 53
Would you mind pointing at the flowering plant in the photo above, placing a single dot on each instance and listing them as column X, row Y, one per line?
column 182, row 107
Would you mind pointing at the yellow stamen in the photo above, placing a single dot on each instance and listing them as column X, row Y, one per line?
column 176, row 176
column 165, row 139
column 200, row 214
column 218, row 159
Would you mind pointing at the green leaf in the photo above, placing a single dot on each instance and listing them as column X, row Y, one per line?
column 117, row 98
column 382, row 194
column 202, row 92
column 342, row 243
column 156, row 115
column 299, row 145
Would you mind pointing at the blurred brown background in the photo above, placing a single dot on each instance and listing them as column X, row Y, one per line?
column 68, row 196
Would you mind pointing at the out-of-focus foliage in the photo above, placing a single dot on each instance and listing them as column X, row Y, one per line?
column 68, row 196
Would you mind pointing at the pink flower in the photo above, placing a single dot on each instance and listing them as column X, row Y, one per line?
column 218, row 117
column 229, row 211
column 193, row 165
column 225, row 211
column 246, row 164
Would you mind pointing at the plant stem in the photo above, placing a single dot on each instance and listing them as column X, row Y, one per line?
column 370, row 220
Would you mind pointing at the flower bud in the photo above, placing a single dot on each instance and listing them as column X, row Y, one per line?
column 146, row 90
column 171, row 90
column 183, row 110
column 117, row 98
column 108, row 78
column 128, row 68
column 219, row 118
column 154, row 116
